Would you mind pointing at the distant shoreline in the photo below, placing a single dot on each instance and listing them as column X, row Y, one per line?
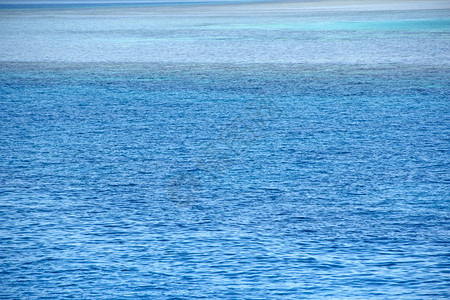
column 233, row 6
column 116, row 4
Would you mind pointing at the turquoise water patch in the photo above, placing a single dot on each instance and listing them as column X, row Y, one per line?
column 403, row 25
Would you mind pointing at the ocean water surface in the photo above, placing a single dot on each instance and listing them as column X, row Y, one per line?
column 210, row 153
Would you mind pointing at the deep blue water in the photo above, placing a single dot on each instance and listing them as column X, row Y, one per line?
column 239, row 179
column 222, row 181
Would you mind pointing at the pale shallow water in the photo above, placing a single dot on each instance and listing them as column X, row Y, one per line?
column 299, row 36
column 272, row 157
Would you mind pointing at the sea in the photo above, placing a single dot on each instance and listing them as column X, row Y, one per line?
column 224, row 151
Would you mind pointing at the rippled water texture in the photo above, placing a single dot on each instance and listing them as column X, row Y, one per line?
column 159, row 155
